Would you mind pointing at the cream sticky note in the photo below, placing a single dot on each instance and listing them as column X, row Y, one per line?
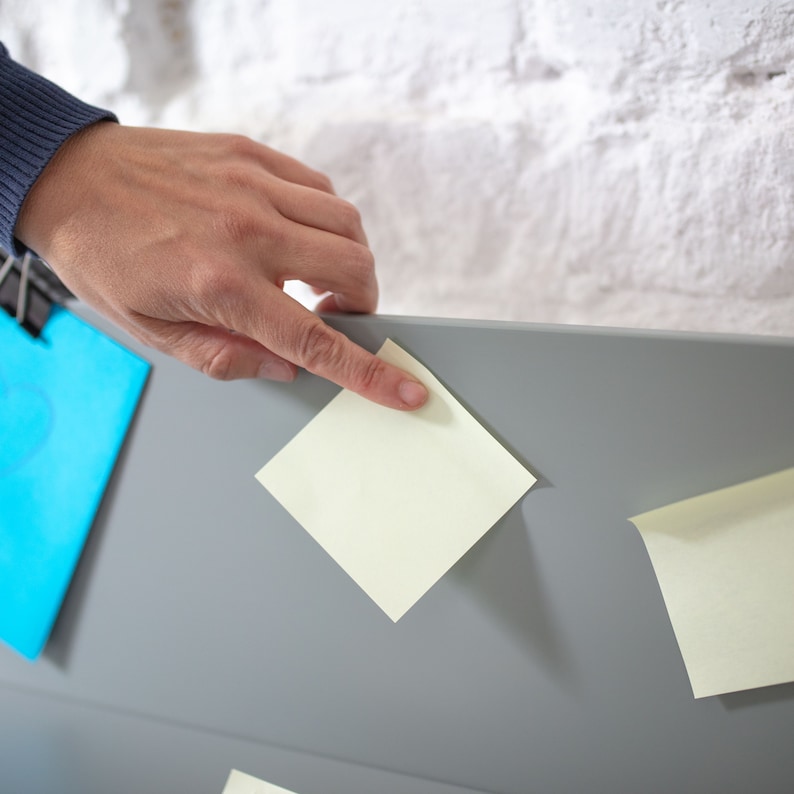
column 725, row 565
column 240, row 783
column 396, row 498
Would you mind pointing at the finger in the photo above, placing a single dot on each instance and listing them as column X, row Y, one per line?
column 328, row 305
column 330, row 263
column 217, row 352
column 322, row 211
column 292, row 170
column 293, row 332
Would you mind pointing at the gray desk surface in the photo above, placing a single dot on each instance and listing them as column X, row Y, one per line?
column 544, row 661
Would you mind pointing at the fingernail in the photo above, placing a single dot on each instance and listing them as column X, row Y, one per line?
column 277, row 370
column 412, row 394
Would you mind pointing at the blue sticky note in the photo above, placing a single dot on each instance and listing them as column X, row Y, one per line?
column 66, row 401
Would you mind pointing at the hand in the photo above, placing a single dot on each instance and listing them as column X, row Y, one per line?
column 185, row 240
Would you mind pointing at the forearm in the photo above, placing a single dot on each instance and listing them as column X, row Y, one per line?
column 36, row 118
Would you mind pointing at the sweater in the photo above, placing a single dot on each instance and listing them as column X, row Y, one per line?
column 36, row 118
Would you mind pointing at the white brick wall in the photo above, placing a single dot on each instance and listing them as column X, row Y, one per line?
column 619, row 163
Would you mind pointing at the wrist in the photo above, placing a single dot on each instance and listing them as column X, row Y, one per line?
column 59, row 190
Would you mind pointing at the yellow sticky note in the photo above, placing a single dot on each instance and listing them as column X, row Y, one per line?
column 725, row 565
column 396, row 498
column 240, row 783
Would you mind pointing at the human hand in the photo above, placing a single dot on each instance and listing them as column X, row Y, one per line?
column 185, row 240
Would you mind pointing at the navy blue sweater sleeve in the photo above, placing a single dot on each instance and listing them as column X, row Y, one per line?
column 36, row 117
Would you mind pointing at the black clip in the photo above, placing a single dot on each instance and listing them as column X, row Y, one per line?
column 28, row 289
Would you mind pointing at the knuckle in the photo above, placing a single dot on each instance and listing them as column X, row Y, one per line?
column 217, row 286
column 320, row 181
column 349, row 216
column 368, row 377
column 323, row 351
column 317, row 345
column 240, row 145
column 361, row 264
column 219, row 363
column 363, row 258
column 236, row 226
column 237, row 175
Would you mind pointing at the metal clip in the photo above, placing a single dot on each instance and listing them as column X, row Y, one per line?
column 28, row 290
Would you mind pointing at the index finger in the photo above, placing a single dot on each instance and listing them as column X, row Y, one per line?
column 290, row 330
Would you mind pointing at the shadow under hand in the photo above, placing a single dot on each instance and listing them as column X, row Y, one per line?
column 307, row 394
column 503, row 572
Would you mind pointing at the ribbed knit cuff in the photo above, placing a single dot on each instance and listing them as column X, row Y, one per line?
column 36, row 117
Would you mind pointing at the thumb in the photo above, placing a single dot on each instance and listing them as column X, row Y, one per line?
column 217, row 352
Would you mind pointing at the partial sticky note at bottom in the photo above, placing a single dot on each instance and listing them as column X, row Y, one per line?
column 396, row 498
column 240, row 783
column 724, row 562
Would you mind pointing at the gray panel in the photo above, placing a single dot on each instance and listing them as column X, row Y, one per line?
column 544, row 661
column 50, row 744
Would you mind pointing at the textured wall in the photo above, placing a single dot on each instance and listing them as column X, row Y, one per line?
column 628, row 162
